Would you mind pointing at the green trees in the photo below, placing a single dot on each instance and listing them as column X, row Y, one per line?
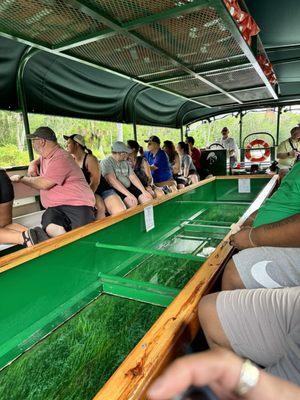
column 100, row 135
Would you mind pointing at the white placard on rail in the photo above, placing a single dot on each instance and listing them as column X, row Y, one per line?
column 244, row 186
column 149, row 218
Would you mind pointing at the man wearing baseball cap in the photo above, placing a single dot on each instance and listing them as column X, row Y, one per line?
column 121, row 177
column 64, row 192
column 159, row 163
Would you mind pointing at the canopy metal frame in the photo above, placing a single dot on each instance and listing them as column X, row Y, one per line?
column 114, row 27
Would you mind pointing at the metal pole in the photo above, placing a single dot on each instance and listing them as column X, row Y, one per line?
column 181, row 133
column 241, row 128
column 22, row 95
column 278, row 125
column 134, row 130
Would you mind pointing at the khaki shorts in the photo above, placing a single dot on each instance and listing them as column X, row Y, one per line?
column 264, row 326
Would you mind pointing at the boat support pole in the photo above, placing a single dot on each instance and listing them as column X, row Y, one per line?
column 26, row 56
column 278, row 125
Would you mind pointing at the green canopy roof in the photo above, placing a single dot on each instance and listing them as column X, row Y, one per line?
column 163, row 62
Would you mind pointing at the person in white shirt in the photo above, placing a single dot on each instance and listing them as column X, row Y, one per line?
column 229, row 144
column 288, row 151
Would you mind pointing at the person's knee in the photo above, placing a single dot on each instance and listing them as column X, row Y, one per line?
column 159, row 193
column 54, row 230
column 206, row 307
column 231, row 279
column 210, row 322
column 114, row 205
column 144, row 199
column 130, row 203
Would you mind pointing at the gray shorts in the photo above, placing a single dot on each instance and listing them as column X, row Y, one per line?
column 264, row 326
column 268, row 267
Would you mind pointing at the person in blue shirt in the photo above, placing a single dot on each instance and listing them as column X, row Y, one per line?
column 158, row 160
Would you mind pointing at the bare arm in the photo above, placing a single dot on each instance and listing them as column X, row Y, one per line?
column 284, row 233
column 147, row 170
column 33, row 168
column 36, row 182
column 94, row 169
column 136, row 182
column 115, row 183
column 176, row 166
column 186, row 168
column 289, row 154
column 220, row 370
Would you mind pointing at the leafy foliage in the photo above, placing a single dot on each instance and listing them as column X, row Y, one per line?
column 100, row 134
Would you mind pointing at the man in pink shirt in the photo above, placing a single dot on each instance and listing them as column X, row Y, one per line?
column 65, row 193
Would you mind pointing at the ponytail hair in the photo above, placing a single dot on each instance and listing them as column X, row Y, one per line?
column 185, row 147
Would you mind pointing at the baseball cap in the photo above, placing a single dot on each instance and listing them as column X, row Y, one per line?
column 43, row 132
column 77, row 138
column 120, row 147
column 154, row 139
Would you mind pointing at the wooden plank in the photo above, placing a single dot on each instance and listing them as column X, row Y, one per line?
column 19, row 257
column 175, row 327
column 245, row 176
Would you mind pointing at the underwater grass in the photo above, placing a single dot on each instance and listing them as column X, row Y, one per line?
column 230, row 213
column 75, row 361
column 176, row 273
column 171, row 272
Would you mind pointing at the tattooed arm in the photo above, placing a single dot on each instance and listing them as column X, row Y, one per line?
column 284, row 233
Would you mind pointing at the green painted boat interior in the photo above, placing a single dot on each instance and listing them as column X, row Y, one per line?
column 69, row 317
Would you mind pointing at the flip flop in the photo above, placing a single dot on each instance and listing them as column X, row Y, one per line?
column 30, row 237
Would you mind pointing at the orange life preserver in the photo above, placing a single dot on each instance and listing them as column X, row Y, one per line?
column 255, row 142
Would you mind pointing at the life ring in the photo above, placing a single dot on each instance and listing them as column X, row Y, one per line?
column 250, row 146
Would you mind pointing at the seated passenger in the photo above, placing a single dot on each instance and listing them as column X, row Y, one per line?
column 141, row 168
column 275, row 224
column 260, row 324
column 159, row 164
column 269, row 258
column 11, row 233
column 66, row 195
column 106, row 197
column 196, row 157
column 288, row 151
column 120, row 176
column 174, row 160
column 220, row 370
column 188, row 169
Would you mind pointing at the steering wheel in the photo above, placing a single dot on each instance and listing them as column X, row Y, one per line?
column 216, row 144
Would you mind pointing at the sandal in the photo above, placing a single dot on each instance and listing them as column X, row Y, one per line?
column 29, row 237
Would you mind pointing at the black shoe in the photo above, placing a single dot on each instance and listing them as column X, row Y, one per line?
column 40, row 234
